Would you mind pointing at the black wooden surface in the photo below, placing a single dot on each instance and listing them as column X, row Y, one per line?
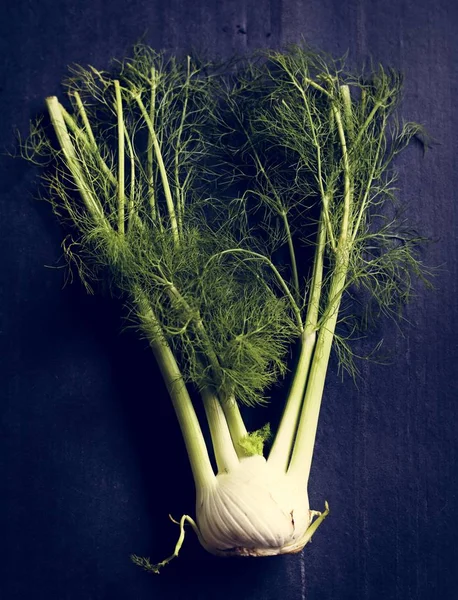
column 91, row 459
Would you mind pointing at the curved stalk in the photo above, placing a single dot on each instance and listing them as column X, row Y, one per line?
column 346, row 99
column 347, row 177
column 130, row 206
column 179, row 188
column 184, row 410
column 367, row 122
column 281, row 450
column 149, row 150
column 84, row 118
column 301, row 458
column 292, row 255
column 121, row 158
column 162, row 170
column 235, row 423
column 73, row 163
column 225, row 454
column 81, row 135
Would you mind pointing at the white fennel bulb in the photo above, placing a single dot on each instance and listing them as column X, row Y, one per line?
column 253, row 510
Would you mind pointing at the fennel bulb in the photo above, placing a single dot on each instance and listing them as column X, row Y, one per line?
column 253, row 511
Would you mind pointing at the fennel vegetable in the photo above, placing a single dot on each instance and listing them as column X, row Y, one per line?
column 220, row 286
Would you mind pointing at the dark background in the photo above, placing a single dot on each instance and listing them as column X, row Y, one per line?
column 91, row 458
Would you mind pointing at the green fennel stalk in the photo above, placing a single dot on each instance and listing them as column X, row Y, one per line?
column 222, row 286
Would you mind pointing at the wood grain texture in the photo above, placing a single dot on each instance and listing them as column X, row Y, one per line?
column 90, row 472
